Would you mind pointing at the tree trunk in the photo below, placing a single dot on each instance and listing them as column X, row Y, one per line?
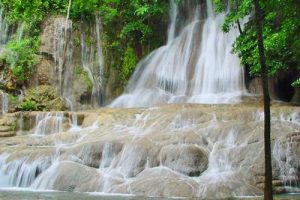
column 268, row 194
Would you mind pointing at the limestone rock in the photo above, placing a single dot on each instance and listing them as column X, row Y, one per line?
column 135, row 157
column 45, row 71
column 7, row 134
column 190, row 160
column 71, row 176
column 48, row 35
column 162, row 182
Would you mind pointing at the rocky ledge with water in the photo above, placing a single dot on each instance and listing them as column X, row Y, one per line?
column 176, row 150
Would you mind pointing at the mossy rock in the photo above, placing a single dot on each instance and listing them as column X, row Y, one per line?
column 46, row 98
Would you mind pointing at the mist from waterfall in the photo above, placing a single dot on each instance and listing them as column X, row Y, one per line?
column 196, row 65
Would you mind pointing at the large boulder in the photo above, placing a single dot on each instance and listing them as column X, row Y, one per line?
column 69, row 176
column 164, row 182
column 135, row 157
column 190, row 160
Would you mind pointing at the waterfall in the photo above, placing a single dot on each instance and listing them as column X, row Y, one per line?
column 21, row 172
column 4, row 30
column 63, row 57
column 285, row 152
column 4, row 102
column 20, row 31
column 92, row 62
column 49, row 123
column 196, row 65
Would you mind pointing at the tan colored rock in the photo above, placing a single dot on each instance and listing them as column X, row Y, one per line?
column 162, row 182
column 7, row 134
column 45, row 71
column 190, row 160
column 71, row 176
column 5, row 128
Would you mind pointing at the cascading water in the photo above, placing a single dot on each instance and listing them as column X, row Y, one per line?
column 92, row 62
column 4, row 30
column 49, row 123
column 196, row 65
column 285, row 153
column 179, row 150
column 63, row 57
column 4, row 102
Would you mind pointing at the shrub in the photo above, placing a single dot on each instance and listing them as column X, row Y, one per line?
column 129, row 62
column 21, row 57
column 28, row 105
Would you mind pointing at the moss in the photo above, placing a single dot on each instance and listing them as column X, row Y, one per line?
column 130, row 60
column 87, row 81
column 80, row 73
column 14, row 126
column 45, row 98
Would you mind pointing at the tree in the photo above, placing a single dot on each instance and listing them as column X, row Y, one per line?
column 268, row 195
column 268, row 44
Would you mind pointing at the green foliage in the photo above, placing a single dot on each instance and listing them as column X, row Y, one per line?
column 136, row 23
column 135, row 20
column 296, row 82
column 21, row 57
column 14, row 126
column 13, row 100
column 31, row 12
column 281, row 29
column 129, row 62
column 81, row 73
column 88, row 82
column 28, row 105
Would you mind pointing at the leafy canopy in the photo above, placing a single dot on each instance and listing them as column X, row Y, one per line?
column 280, row 30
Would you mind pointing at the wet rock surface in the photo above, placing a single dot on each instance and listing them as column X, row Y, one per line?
column 183, row 150
column 187, row 159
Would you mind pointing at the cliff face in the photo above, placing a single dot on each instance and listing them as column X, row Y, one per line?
column 74, row 62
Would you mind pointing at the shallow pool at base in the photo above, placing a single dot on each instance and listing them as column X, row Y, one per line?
column 28, row 195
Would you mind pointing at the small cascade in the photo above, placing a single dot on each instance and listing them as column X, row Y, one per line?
column 4, row 102
column 92, row 62
column 196, row 65
column 49, row 123
column 287, row 157
column 4, row 30
column 22, row 172
column 20, row 31
column 63, row 57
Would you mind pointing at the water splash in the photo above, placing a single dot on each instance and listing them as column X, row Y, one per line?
column 196, row 65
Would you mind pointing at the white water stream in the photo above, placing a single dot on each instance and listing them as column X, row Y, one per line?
column 63, row 58
column 92, row 62
column 4, row 30
column 4, row 102
column 196, row 65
